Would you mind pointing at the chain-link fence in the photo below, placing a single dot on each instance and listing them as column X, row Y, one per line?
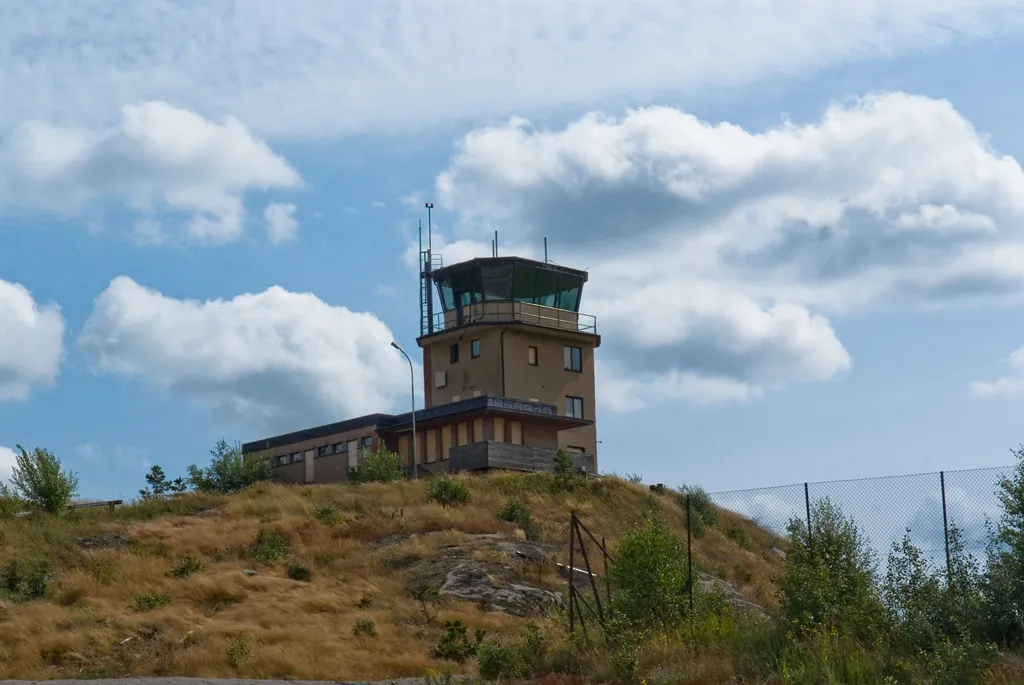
column 927, row 505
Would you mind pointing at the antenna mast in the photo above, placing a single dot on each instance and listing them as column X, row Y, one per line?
column 426, row 269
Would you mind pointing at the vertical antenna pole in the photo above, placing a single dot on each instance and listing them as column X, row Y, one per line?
column 495, row 243
column 545, row 250
column 430, row 230
column 429, row 268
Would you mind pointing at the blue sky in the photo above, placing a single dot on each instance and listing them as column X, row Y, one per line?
column 205, row 222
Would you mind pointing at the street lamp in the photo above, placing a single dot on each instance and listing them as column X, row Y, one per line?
column 412, row 387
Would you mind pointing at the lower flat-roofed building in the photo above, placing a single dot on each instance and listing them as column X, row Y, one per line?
column 475, row 434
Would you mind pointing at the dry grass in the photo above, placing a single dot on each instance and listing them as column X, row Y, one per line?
column 221, row 622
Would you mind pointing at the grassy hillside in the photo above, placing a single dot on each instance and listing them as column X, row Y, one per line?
column 161, row 587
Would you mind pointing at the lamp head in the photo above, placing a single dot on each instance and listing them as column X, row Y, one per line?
column 395, row 345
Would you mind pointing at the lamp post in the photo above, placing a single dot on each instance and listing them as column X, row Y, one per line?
column 412, row 395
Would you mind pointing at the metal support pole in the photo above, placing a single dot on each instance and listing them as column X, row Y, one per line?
column 945, row 527
column 572, row 573
column 807, row 503
column 412, row 398
column 689, row 555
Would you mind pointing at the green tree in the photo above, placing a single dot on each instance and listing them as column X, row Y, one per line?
column 1004, row 574
column 160, row 485
column 650, row 578
column 40, row 480
column 829, row 576
column 229, row 470
column 912, row 595
column 380, row 465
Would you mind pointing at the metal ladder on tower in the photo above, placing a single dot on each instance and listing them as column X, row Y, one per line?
column 428, row 263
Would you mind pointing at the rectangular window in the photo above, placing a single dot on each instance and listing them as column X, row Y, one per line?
column 574, row 407
column 532, row 356
column 453, row 353
column 474, row 348
column 366, row 443
column 296, row 457
column 574, row 448
column 573, row 359
column 340, row 447
column 323, row 451
column 440, row 379
column 476, row 393
column 282, row 460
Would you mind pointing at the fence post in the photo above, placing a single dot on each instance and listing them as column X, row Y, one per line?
column 945, row 527
column 689, row 554
column 807, row 503
column 572, row 573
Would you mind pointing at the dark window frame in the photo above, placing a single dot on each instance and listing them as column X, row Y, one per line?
column 453, row 354
column 574, row 361
column 572, row 401
column 536, row 356
column 474, row 348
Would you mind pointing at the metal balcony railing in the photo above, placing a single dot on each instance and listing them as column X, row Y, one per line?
column 506, row 311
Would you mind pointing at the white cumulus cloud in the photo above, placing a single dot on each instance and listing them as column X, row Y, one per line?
column 157, row 157
column 7, row 464
column 309, row 68
column 717, row 255
column 281, row 222
column 31, row 342
column 274, row 360
column 1009, row 387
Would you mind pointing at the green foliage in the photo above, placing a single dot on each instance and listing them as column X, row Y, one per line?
column 702, row 512
column 566, row 477
column 40, row 480
column 634, row 478
column 10, row 505
column 1004, row 576
column 328, row 515
column 380, row 465
column 829, row 581
column 650, row 578
column 447, row 491
column 267, row 547
column 455, row 644
column 427, row 597
column 26, row 581
column 238, row 652
column 151, row 600
column 229, row 471
column 186, row 566
column 160, row 485
column 300, row 573
column 364, row 627
column 516, row 512
column 512, row 660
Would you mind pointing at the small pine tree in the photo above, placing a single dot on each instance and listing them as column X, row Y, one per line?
column 160, row 485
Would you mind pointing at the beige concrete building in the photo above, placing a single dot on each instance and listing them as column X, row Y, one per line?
column 508, row 367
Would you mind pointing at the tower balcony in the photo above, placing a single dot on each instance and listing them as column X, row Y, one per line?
column 511, row 311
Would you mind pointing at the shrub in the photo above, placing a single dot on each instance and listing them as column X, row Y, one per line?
column 229, row 471
column 26, row 580
column 380, row 465
column 515, row 511
column 300, row 573
column 517, row 659
column 151, row 600
column 455, row 645
column 9, row 504
column 447, row 491
column 650, row 578
column 267, row 547
column 828, row 577
column 1004, row 575
column 40, row 480
column 328, row 515
column 186, row 566
column 702, row 512
column 238, row 652
column 365, row 627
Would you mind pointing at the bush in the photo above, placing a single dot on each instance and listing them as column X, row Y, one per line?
column 160, row 486
column 1004, row 575
column 702, row 511
column 9, row 504
column 455, row 645
column 238, row 652
column 328, row 515
column 300, row 573
column 39, row 479
column 516, row 512
column 26, row 581
column 364, row 627
column 380, row 465
column 518, row 659
column 447, row 491
column 828, row 579
column 267, row 547
column 229, row 471
column 186, row 566
column 650, row 578
column 151, row 600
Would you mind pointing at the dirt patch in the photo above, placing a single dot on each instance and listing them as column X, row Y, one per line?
column 104, row 541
